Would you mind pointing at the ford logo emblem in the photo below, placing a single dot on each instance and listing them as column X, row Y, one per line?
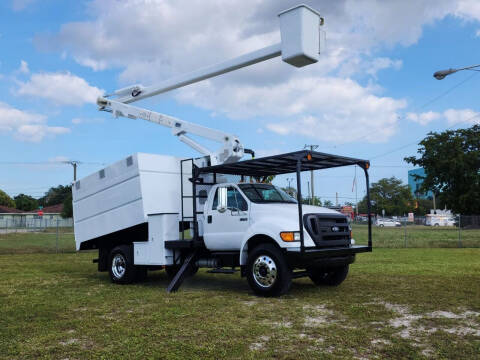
column 335, row 229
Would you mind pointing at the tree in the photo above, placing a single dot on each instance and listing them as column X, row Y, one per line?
column 451, row 160
column 327, row 203
column 391, row 195
column 55, row 195
column 67, row 211
column 6, row 200
column 25, row 202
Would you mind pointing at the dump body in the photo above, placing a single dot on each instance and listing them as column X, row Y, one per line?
column 123, row 194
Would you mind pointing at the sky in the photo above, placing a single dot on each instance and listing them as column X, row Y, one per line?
column 371, row 95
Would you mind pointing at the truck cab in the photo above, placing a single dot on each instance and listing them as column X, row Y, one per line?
column 234, row 213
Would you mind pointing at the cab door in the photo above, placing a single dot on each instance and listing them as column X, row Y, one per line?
column 227, row 219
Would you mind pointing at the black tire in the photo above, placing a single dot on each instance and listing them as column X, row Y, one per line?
column 268, row 273
column 172, row 270
column 121, row 268
column 329, row 277
column 381, row 225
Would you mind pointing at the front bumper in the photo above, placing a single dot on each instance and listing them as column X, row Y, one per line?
column 325, row 257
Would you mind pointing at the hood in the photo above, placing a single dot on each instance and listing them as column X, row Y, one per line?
column 290, row 210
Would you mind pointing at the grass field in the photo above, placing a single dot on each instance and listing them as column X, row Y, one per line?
column 395, row 304
column 418, row 236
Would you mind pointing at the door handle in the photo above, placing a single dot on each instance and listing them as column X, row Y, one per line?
column 243, row 219
column 209, row 219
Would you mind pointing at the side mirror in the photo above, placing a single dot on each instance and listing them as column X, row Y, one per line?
column 222, row 199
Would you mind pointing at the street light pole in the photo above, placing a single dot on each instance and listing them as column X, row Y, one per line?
column 439, row 75
column 312, row 147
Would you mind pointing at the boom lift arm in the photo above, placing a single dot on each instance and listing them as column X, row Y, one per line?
column 299, row 46
column 231, row 150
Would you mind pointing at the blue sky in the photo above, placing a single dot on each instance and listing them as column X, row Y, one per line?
column 371, row 93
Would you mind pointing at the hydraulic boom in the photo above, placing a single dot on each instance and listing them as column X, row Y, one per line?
column 299, row 46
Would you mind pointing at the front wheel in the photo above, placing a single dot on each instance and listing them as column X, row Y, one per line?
column 330, row 277
column 268, row 273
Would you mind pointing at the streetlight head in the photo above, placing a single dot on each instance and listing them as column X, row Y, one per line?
column 439, row 75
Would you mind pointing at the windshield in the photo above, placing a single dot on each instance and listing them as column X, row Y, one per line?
column 266, row 193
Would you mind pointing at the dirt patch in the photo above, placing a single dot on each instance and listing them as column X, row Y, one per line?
column 410, row 329
column 319, row 316
column 280, row 324
column 69, row 342
column 377, row 342
column 260, row 345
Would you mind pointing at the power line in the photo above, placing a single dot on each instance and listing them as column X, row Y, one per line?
column 419, row 139
column 423, row 105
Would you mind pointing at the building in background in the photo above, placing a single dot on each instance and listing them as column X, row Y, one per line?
column 49, row 216
column 416, row 184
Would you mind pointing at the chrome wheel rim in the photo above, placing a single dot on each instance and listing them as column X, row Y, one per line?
column 264, row 271
column 118, row 266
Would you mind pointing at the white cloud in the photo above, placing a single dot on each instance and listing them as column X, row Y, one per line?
column 23, row 69
column 424, row 118
column 62, row 88
column 26, row 126
column 59, row 158
column 78, row 121
column 453, row 117
column 466, row 116
column 164, row 38
column 328, row 109
column 19, row 5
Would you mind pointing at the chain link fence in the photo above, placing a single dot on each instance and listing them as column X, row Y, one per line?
column 457, row 232
column 57, row 236
column 36, row 236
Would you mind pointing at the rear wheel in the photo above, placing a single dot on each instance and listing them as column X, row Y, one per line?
column 330, row 277
column 268, row 273
column 121, row 269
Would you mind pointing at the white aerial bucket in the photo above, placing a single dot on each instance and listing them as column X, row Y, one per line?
column 300, row 33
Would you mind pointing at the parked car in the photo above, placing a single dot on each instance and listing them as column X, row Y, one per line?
column 387, row 222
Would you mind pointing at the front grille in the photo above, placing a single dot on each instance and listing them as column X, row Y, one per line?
column 327, row 229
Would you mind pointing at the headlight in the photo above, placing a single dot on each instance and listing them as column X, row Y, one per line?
column 290, row 236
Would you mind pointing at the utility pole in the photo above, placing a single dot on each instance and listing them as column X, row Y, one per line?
column 74, row 163
column 311, row 147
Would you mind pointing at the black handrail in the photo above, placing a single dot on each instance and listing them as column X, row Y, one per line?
column 299, row 199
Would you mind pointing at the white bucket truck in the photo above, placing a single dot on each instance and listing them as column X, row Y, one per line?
column 149, row 212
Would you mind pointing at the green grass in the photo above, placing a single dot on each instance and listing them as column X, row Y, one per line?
column 418, row 236
column 59, row 306
column 41, row 242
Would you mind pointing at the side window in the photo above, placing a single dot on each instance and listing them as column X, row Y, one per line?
column 235, row 200
column 215, row 200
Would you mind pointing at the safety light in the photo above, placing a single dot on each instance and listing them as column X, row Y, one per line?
column 290, row 236
column 309, row 157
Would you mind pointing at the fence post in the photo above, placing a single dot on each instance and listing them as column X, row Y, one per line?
column 459, row 230
column 405, row 231
column 56, row 242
